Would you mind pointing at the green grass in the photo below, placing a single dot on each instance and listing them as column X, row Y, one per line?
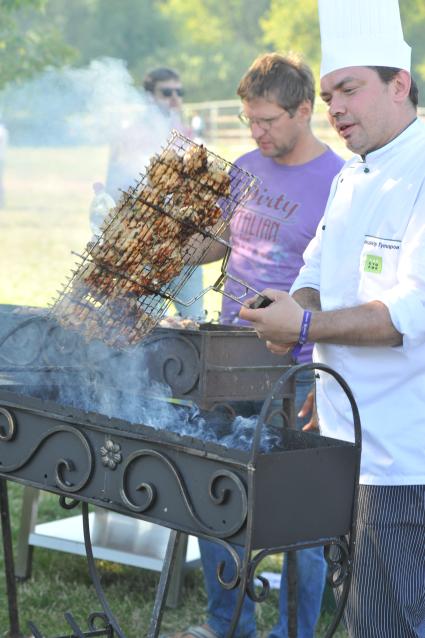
column 48, row 192
column 60, row 582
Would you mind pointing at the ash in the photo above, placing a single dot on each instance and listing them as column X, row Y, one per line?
column 186, row 420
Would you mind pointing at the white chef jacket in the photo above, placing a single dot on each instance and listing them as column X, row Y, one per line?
column 370, row 245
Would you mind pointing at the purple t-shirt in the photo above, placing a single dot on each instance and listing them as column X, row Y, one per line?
column 271, row 231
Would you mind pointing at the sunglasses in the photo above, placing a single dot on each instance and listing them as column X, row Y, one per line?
column 169, row 92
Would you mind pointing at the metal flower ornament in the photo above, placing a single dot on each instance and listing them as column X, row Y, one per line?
column 111, row 455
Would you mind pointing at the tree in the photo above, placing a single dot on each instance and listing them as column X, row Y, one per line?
column 129, row 30
column 217, row 41
column 413, row 17
column 25, row 48
column 285, row 27
column 209, row 43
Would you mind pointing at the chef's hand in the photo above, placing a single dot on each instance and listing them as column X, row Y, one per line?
column 279, row 324
column 309, row 408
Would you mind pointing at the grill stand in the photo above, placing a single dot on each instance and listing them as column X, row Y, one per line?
column 340, row 566
column 208, row 366
column 14, row 631
column 245, row 569
column 174, row 542
column 111, row 628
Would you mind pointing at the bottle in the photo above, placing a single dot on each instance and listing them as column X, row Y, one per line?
column 100, row 206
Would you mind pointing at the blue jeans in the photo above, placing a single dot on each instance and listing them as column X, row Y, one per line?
column 311, row 576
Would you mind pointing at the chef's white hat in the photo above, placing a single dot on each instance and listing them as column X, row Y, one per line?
column 362, row 33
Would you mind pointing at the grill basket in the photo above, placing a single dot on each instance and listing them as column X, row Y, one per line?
column 151, row 242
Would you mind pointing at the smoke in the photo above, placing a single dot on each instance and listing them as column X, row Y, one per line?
column 120, row 386
column 78, row 106
column 37, row 358
column 100, row 104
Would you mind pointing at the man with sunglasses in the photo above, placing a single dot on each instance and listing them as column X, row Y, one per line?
column 165, row 87
column 144, row 131
column 269, row 235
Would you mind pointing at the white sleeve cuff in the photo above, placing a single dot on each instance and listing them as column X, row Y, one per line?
column 407, row 312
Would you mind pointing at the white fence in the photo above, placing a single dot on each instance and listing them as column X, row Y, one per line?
column 217, row 123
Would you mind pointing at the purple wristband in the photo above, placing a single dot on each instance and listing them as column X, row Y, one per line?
column 302, row 339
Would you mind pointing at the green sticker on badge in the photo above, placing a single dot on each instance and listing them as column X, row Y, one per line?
column 373, row 263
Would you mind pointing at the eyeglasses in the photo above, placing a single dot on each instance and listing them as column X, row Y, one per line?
column 263, row 122
column 169, row 92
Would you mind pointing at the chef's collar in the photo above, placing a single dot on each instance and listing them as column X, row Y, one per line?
column 405, row 134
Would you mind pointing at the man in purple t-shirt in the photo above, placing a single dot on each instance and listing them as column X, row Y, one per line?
column 269, row 235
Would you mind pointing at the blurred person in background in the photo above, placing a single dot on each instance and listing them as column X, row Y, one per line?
column 142, row 132
column 268, row 236
column 165, row 89
column 4, row 138
column 143, row 136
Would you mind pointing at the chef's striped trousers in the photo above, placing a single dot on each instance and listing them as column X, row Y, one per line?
column 387, row 594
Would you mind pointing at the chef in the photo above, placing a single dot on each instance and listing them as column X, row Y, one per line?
column 361, row 298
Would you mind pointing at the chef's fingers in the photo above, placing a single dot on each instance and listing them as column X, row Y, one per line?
column 279, row 348
column 309, row 407
column 312, row 425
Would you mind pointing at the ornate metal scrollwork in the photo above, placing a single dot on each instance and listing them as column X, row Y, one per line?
column 275, row 414
column 11, row 425
column 258, row 595
column 36, row 340
column 261, row 595
column 150, row 491
column 221, row 498
column 24, row 343
column 93, row 619
column 143, row 487
column 62, row 347
column 67, row 503
column 63, row 465
column 94, row 628
column 233, row 582
column 337, row 556
column 225, row 407
column 175, row 361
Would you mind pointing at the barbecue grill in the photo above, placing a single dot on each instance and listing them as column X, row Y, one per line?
column 147, row 473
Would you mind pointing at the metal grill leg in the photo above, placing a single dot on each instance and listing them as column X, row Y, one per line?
column 94, row 575
column 12, row 600
column 178, row 573
column 164, row 582
column 292, row 578
column 24, row 550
